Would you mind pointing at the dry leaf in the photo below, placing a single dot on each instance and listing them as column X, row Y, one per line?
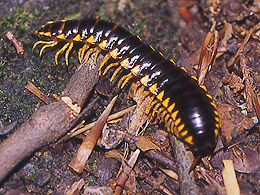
column 208, row 51
column 144, row 144
column 89, row 142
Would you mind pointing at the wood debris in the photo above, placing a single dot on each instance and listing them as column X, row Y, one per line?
column 17, row 44
column 229, row 178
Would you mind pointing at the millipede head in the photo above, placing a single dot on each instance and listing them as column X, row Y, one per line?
column 51, row 30
column 44, row 32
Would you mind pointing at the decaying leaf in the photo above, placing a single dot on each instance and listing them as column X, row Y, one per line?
column 144, row 144
column 112, row 135
column 98, row 190
column 233, row 122
column 246, row 159
column 234, row 82
column 208, row 51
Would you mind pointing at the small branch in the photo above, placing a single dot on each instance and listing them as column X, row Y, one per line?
column 123, row 177
column 31, row 87
column 110, row 118
column 17, row 44
column 184, row 161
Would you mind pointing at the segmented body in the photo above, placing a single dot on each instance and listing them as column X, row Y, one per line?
column 185, row 107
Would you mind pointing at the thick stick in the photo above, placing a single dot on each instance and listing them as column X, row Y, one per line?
column 48, row 123
column 184, row 161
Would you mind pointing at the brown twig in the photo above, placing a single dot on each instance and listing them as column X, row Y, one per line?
column 232, row 60
column 33, row 89
column 122, row 178
column 184, row 161
column 17, row 44
column 110, row 118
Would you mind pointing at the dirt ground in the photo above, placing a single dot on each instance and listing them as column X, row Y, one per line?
column 175, row 28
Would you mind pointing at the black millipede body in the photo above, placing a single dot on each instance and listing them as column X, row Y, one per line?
column 185, row 107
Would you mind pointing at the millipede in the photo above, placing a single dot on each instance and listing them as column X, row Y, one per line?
column 186, row 107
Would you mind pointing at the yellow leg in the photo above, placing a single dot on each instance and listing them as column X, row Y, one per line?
column 154, row 102
column 102, row 63
column 156, row 108
column 42, row 42
column 53, row 43
column 159, row 112
column 163, row 115
column 166, row 118
column 67, row 53
column 90, row 51
column 115, row 73
column 61, row 50
column 79, row 54
column 125, row 79
column 137, row 84
column 144, row 96
column 149, row 106
column 172, row 127
column 96, row 55
column 110, row 66
column 82, row 51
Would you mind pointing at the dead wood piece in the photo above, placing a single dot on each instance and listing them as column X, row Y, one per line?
column 230, row 179
column 48, row 123
column 17, row 44
column 162, row 158
column 76, row 187
column 44, row 126
column 184, row 161
column 82, row 82
column 123, row 177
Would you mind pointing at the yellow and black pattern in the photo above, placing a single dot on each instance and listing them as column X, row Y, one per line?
column 185, row 107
